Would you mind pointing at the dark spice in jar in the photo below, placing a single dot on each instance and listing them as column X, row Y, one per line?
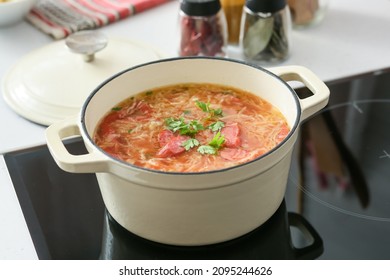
column 265, row 30
column 202, row 28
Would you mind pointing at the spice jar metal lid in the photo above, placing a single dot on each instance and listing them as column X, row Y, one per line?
column 200, row 7
column 265, row 6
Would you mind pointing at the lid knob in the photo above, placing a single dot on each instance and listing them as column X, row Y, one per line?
column 87, row 43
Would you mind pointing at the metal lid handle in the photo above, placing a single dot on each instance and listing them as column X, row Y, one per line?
column 87, row 43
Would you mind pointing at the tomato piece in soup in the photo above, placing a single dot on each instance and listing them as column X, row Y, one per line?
column 233, row 154
column 284, row 131
column 106, row 127
column 164, row 137
column 173, row 147
column 231, row 132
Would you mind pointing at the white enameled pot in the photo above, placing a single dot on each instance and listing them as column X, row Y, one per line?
column 190, row 208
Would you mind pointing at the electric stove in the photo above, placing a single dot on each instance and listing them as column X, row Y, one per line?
column 336, row 204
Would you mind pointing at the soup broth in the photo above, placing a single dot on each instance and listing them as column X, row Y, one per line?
column 191, row 128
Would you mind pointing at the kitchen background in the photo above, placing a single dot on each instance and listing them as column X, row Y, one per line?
column 348, row 49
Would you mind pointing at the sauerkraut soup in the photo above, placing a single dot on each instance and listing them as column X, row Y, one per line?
column 191, row 128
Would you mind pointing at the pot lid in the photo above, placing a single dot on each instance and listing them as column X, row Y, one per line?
column 52, row 83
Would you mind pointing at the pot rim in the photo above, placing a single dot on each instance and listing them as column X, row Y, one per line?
column 126, row 164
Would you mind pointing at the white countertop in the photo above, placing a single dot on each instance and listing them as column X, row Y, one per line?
column 353, row 40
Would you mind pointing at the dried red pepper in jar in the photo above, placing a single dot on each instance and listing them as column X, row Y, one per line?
column 203, row 30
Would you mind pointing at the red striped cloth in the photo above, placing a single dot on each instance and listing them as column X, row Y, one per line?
column 59, row 18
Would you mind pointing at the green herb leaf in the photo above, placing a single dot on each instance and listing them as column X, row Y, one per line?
column 195, row 126
column 205, row 107
column 191, row 143
column 175, row 124
column 216, row 126
column 214, row 145
column 217, row 141
column 116, row 108
column 190, row 128
column 217, row 112
column 206, row 149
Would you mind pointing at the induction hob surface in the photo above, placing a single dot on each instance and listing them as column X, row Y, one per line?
column 340, row 179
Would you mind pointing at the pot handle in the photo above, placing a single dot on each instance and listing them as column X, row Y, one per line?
column 312, row 104
column 87, row 163
column 316, row 248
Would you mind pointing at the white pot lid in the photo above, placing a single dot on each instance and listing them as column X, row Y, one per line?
column 52, row 83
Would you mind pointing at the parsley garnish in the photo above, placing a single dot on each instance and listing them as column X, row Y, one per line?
column 206, row 149
column 191, row 143
column 116, row 109
column 217, row 112
column 214, row 145
column 218, row 125
column 191, row 128
column 174, row 124
column 205, row 107
column 217, row 141
column 183, row 127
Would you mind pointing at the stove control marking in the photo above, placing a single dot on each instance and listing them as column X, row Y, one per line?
column 385, row 154
column 354, row 104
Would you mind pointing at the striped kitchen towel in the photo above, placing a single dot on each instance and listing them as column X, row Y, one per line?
column 59, row 18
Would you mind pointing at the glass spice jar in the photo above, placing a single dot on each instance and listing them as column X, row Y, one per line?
column 202, row 28
column 307, row 12
column 233, row 13
column 265, row 30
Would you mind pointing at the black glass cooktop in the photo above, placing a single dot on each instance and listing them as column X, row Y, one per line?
column 336, row 205
column 340, row 177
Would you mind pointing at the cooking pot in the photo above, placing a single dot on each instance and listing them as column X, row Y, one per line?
column 190, row 208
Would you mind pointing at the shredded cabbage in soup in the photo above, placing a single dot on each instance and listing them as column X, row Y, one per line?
column 191, row 128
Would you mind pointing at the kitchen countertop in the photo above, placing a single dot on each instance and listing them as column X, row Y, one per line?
column 352, row 41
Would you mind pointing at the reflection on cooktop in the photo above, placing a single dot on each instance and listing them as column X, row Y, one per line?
column 339, row 179
column 63, row 213
column 350, row 178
